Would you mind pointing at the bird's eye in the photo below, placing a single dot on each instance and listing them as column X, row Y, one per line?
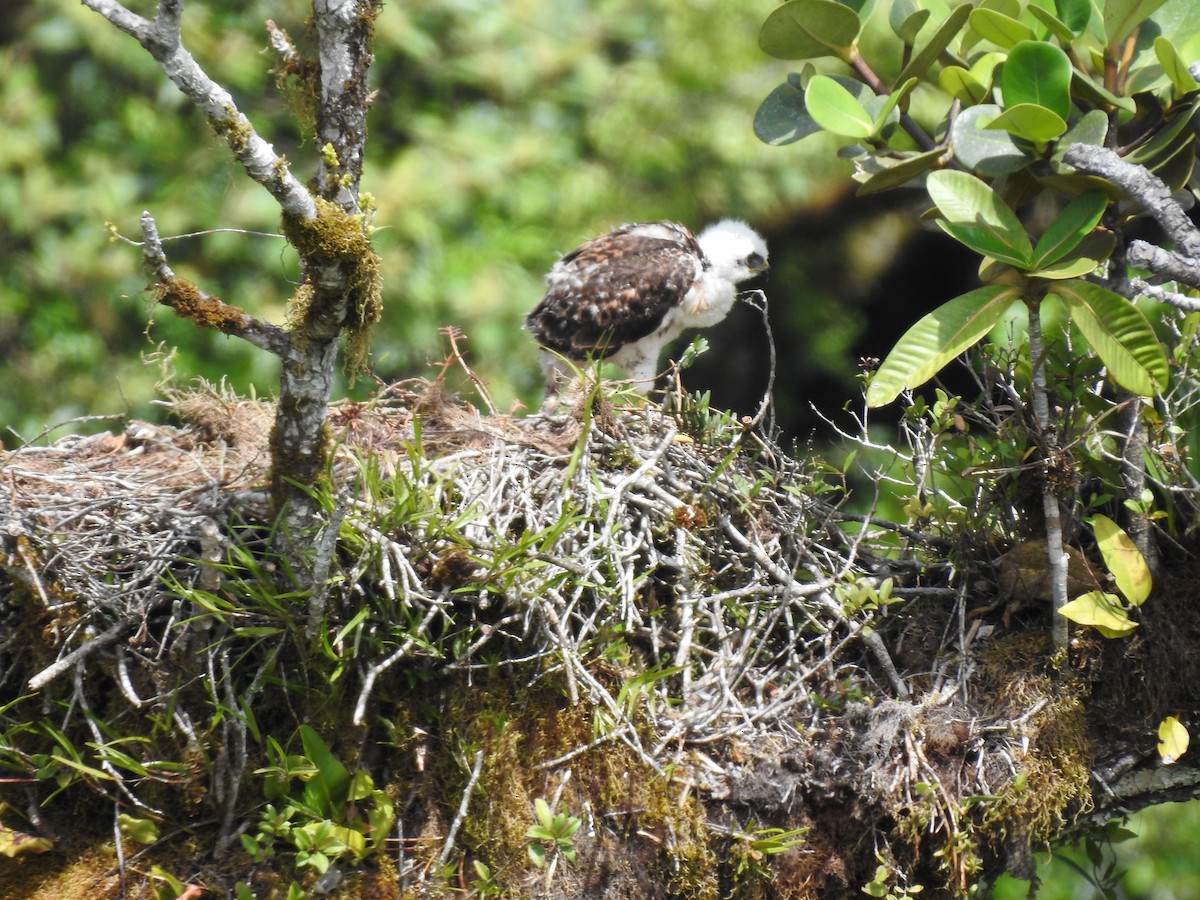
column 755, row 261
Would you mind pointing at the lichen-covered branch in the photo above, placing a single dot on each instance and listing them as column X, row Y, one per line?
column 1182, row 264
column 161, row 38
column 344, row 52
column 339, row 291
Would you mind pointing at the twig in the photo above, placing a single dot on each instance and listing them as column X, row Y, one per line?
column 161, row 38
column 48, row 674
column 205, row 310
column 448, row 847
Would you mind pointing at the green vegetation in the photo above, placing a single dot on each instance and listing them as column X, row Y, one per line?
column 640, row 640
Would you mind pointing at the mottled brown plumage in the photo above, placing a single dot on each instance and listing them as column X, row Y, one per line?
column 622, row 296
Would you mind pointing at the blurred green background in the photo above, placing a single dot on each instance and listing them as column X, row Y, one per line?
column 504, row 133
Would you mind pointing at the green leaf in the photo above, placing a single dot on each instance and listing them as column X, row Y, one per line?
column 935, row 340
column 1074, row 14
column 326, row 791
column 1038, row 73
column 1179, row 22
column 1092, row 128
column 906, row 20
column 1000, row 29
column 1101, row 611
column 1122, row 559
column 966, row 201
column 890, row 103
column 809, row 29
column 1057, row 27
column 1173, row 740
column 1119, row 334
column 986, row 152
column 1072, row 267
column 1098, row 95
column 782, row 118
column 893, row 174
column 835, row 109
column 140, row 831
column 1166, row 144
column 1030, row 122
column 962, row 85
column 927, row 55
column 1121, row 17
column 1174, row 66
column 1071, row 226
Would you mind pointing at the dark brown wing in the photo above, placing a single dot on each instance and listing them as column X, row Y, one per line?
column 615, row 289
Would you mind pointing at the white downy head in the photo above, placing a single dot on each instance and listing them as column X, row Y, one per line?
column 736, row 250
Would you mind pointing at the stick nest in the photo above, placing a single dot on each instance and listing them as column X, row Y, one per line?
column 672, row 569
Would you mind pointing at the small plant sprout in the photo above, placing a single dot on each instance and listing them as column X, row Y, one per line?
column 553, row 835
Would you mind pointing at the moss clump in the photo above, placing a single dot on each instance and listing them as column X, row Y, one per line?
column 206, row 311
column 335, row 239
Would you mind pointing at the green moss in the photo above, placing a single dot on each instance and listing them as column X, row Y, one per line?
column 335, row 239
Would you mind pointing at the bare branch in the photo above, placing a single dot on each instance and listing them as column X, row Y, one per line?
column 1143, row 186
column 1163, row 262
column 161, row 38
column 282, row 44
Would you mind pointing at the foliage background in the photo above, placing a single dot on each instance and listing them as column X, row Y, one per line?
column 503, row 134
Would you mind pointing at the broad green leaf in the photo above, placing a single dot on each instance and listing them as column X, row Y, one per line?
column 1173, row 740
column 1072, row 267
column 326, row 791
column 1122, row 559
column 935, row 340
column 927, row 55
column 1092, row 128
column 893, row 174
column 984, row 68
column 983, row 151
column 1101, row 611
column 782, row 118
column 1174, row 66
column 1121, row 17
column 1030, row 122
column 906, row 20
column 1071, row 226
column 1179, row 22
column 1038, row 73
column 1000, row 29
column 835, row 109
column 965, row 200
column 808, row 29
column 1119, row 334
column 962, row 85
column 1057, row 26
column 1010, row 8
column 1074, row 14
column 890, row 103
column 984, row 242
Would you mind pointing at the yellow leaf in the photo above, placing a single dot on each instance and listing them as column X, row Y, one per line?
column 1172, row 740
column 1123, row 559
column 1101, row 611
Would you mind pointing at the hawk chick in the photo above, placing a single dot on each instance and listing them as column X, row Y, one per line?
column 626, row 294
